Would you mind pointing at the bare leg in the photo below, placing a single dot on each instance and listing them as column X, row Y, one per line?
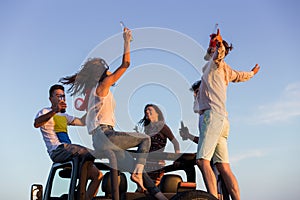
column 137, row 176
column 95, row 175
column 208, row 176
column 230, row 180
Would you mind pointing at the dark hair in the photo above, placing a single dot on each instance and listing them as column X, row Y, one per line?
column 227, row 47
column 91, row 73
column 146, row 121
column 195, row 85
column 55, row 87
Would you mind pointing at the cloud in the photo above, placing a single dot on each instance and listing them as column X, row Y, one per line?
column 286, row 108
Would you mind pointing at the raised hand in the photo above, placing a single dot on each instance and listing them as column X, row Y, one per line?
column 218, row 38
column 127, row 35
column 184, row 131
column 255, row 69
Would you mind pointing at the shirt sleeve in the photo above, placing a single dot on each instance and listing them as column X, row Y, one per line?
column 42, row 112
column 238, row 76
column 231, row 75
column 70, row 118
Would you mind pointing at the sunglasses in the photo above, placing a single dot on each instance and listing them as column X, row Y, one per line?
column 61, row 97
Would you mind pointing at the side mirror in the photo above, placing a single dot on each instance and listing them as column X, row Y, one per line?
column 36, row 192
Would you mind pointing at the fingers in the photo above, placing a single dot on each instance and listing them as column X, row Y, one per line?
column 255, row 69
column 62, row 105
column 125, row 29
column 184, row 131
column 218, row 37
column 127, row 34
column 182, row 124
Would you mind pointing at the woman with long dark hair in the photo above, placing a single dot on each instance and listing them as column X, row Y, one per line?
column 154, row 125
column 94, row 81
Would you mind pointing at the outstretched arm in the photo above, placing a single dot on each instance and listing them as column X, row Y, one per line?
column 239, row 76
column 234, row 76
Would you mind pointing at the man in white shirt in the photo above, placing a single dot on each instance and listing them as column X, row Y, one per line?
column 214, row 128
column 53, row 122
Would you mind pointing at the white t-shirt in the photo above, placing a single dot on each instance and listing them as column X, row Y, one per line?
column 48, row 129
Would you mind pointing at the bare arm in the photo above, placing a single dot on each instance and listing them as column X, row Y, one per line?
column 79, row 121
column 184, row 133
column 55, row 108
column 41, row 120
column 166, row 131
column 103, row 88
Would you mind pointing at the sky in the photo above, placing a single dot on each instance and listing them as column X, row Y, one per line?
column 42, row 41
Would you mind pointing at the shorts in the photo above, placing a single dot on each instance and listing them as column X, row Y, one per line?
column 214, row 132
column 65, row 152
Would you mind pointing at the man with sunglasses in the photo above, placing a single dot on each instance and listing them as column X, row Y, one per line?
column 53, row 122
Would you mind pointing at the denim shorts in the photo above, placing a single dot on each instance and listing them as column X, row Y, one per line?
column 66, row 152
column 214, row 132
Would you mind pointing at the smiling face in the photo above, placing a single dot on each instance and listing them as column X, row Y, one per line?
column 151, row 114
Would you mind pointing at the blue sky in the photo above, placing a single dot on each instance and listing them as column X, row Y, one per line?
column 41, row 41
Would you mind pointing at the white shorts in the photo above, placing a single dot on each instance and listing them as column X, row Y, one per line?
column 214, row 131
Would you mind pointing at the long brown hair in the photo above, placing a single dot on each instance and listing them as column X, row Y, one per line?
column 92, row 72
column 144, row 121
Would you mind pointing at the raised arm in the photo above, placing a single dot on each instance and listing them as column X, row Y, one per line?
column 56, row 107
column 219, row 54
column 112, row 78
column 42, row 119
